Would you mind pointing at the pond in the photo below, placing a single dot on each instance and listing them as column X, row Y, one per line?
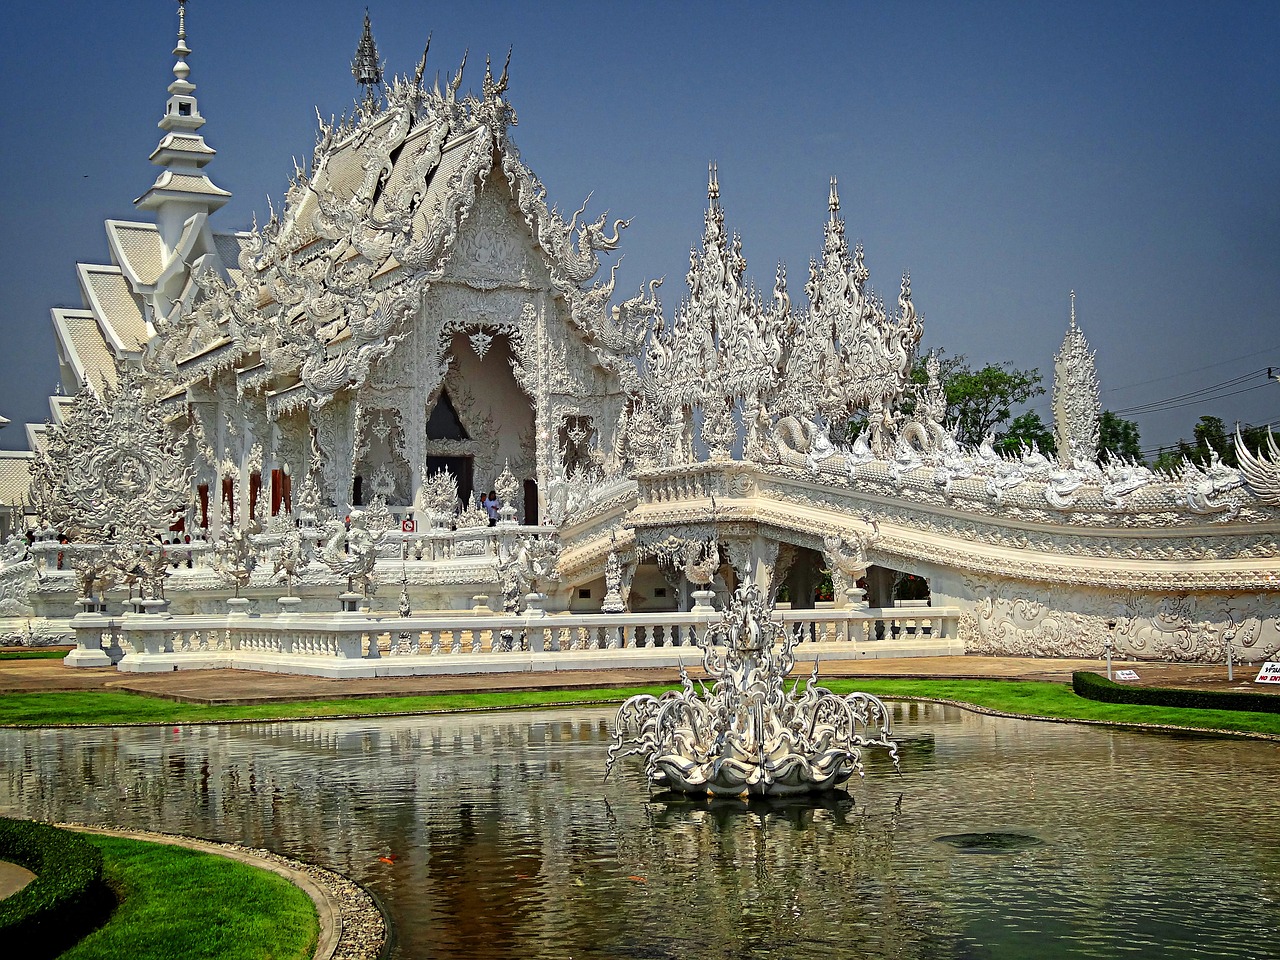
column 1000, row 838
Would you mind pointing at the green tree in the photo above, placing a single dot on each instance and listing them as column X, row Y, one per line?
column 1211, row 438
column 1027, row 428
column 1118, row 437
column 979, row 401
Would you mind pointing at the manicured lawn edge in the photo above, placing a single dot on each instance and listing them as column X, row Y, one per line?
column 230, row 909
column 1058, row 703
column 1021, row 699
column 64, row 902
column 1094, row 686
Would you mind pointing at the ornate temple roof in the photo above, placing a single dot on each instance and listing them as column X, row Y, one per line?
column 321, row 289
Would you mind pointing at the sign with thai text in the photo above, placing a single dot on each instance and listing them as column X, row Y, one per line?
column 1270, row 673
column 1126, row 675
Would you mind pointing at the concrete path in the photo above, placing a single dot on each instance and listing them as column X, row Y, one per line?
column 13, row 878
column 248, row 687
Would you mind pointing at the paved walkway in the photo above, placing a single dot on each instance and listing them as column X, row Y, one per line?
column 248, row 687
column 13, row 878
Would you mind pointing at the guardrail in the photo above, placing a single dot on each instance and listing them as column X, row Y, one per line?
column 305, row 643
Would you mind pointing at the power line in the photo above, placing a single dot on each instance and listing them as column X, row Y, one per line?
column 1271, row 422
column 1202, row 395
column 1207, row 366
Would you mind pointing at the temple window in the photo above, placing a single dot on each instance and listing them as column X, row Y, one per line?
column 255, row 488
column 443, row 423
column 229, row 497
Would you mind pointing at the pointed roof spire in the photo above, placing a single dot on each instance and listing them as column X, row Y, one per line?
column 182, row 151
column 1073, row 310
column 422, row 64
column 365, row 67
column 833, row 199
column 713, row 183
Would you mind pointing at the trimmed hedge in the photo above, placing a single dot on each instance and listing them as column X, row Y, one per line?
column 66, row 900
column 1092, row 686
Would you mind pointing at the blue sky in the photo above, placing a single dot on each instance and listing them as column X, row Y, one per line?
column 1004, row 153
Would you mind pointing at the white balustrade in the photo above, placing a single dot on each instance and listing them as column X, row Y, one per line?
column 160, row 641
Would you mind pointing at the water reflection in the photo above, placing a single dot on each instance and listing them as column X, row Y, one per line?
column 504, row 840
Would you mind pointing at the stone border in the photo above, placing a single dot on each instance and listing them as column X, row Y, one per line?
column 353, row 925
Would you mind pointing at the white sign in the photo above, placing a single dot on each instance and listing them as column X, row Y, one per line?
column 1126, row 675
column 1270, row 673
column 408, row 526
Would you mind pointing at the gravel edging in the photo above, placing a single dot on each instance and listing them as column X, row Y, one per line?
column 353, row 924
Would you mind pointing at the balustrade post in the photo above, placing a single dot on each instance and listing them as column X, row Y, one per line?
column 348, row 646
column 88, row 625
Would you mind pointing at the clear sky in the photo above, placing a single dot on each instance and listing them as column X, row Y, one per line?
column 1004, row 153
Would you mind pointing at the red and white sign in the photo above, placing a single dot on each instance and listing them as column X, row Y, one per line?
column 1270, row 673
column 408, row 526
column 1126, row 674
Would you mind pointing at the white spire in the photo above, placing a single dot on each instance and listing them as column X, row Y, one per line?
column 183, row 188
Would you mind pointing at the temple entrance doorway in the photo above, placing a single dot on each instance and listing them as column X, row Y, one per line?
column 461, row 468
column 531, row 502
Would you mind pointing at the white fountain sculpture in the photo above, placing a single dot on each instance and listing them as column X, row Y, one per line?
column 749, row 735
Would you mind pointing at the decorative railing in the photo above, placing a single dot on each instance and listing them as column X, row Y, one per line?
column 353, row 636
column 56, row 560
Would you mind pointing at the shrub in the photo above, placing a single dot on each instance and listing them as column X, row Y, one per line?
column 1095, row 687
column 66, row 900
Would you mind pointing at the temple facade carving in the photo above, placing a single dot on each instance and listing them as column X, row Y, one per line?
column 321, row 400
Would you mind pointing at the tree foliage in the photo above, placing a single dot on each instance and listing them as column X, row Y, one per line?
column 1027, row 429
column 1118, row 438
column 981, row 401
column 1212, row 439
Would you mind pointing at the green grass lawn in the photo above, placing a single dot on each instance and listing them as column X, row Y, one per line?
column 1059, row 701
column 180, row 903
column 109, row 707
column 32, row 654
column 1023, row 697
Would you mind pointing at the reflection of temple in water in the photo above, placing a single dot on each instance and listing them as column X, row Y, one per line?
column 507, row 841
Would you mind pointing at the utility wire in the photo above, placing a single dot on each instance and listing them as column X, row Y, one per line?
column 1269, row 424
column 1202, row 395
column 1207, row 366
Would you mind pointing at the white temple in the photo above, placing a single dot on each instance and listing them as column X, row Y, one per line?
column 315, row 405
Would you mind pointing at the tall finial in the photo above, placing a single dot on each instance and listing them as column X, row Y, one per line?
column 181, row 69
column 713, row 182
column 183, row 186
column 365, row 67
column 1073, row 308
column 833, row 199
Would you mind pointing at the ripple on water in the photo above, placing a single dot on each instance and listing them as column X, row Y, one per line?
column 991, row 842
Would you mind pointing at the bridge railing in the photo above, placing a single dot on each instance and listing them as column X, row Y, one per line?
column 352, row 636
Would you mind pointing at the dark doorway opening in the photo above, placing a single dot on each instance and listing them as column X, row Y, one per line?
column 531, row 502
column 460, row 467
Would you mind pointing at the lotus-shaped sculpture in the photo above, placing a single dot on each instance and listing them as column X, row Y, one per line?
column 748, row 735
